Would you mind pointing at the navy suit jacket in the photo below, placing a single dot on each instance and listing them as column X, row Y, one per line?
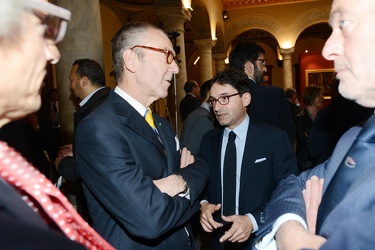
column 118, row 157
column 258, row 179
column 188, row 104
column 350, row 225
column 196, row 125
column 269, row 105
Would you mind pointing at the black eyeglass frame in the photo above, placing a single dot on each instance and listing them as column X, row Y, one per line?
column 168, row 53
column 264, row 61
column 212, row 101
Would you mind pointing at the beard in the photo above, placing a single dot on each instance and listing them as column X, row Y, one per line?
column 258, row 75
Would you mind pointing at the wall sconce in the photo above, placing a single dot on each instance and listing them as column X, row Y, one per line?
column 279, row 63
column 225, row 15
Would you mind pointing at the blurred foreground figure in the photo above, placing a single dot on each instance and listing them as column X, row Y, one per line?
column 33, row 213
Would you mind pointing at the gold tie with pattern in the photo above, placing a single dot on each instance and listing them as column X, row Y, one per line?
column 44, row 198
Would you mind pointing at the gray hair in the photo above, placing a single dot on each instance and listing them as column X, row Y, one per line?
column 11, row 21
column 129, row 35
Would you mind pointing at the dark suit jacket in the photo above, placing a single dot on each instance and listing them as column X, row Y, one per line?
column 188, row 104
column 118, row 156
column 269, row 105
column 350, row 225
column 22, row 228
column 196, row 125
column 67, row 165
column 258, row 179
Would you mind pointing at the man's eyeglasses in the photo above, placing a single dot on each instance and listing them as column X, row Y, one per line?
column 169, row 54
column 53, row 18
column 263, row 61
column 223, row 100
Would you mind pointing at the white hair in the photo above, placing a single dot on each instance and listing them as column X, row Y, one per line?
column 11, row 20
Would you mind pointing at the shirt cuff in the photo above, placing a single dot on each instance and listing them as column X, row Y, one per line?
column 268, row 241
column 254, row 221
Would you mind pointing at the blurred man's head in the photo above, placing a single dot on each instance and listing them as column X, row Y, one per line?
column 249, row 58
column 27, row 43
column 351, row 47
column 86, row 75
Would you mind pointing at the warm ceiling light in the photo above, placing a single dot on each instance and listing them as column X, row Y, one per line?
column 225, row 15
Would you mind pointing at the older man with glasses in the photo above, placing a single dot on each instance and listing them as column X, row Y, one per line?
column 33, row 213
column 141, row 189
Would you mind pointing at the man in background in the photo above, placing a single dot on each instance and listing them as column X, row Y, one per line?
column 198, row 123
column 87, row 83
column 268, row 103
column 191, row 100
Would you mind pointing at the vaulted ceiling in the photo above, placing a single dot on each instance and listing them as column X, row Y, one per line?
column 227, row 4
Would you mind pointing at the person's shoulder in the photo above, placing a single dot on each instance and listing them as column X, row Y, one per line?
column 267, row 130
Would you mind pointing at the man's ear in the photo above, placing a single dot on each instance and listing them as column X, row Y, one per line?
column 246, row 99
column 129, row 57
column 249, row 69
column 84, row 81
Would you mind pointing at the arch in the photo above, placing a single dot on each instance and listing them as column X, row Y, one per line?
column 263, row 22
column 307, row 19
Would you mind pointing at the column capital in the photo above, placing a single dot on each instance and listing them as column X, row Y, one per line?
column 219, row 57
column 205, row 44
column 287, row 53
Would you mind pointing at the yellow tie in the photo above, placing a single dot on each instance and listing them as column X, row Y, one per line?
column 150, row 119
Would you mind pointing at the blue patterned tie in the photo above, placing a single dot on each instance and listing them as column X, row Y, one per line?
column 360, row 155
column 229, row 176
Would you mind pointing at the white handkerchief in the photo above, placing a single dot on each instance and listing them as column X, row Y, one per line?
column 260, row 160
column 177, row 143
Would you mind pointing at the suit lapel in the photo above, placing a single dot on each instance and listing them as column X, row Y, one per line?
column 217, row 141
column 132, row 119
column 248, row 160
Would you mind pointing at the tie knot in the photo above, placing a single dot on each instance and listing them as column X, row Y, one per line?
column 150, row 119
column 232, row 136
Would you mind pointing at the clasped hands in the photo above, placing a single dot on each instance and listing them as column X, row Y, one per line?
column 241, row 227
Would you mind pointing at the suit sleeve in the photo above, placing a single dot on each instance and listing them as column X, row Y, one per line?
column 288, row 198
column 67, row 168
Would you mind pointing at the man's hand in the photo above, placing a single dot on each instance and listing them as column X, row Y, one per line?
column 171, row 185
column 207, row 221
column 313, row 196
column 186, row 158
column 292, row 236
column 240, row 230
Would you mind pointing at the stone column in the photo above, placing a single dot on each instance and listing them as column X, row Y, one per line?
column 205, row 51
column 173, row 19
column 219, row 62
column 287, row 67
column 83, row 39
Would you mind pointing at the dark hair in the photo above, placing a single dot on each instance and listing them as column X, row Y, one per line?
column 237, row 79
column 310, row 93
column 129, row 35
column 189, row 85
column 91, row 69
column 290, row 92
column 244, row 52
column 205, row 88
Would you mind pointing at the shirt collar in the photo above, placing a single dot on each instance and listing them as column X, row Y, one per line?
column 133, row 102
